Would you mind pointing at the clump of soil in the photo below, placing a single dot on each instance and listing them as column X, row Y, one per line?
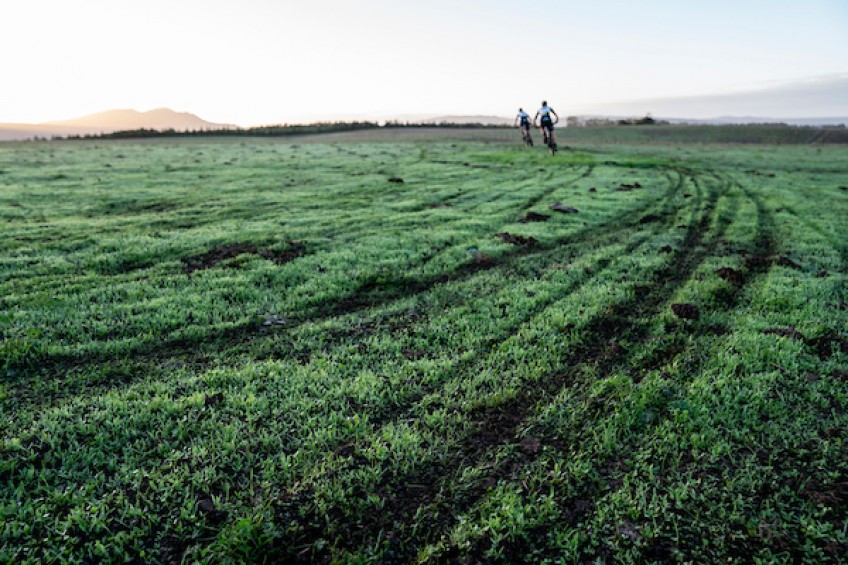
column 758, row 262
column 517, row 239
column 834, row 496
column 216, row 255
column 825, row 345
column 231, row 250
column 213, row 399
column 294, row 251
column 732, row 276
column 788, row 332
column 785, row 261
column 482, row 260
column 559, row 207
column 627, row 187
column 649, row 219
column 207, row 507
column 530, row 445
column 686, row 311
column 534, row 217
column 396, row 180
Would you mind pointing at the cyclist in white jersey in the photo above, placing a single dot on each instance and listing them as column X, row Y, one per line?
column 523, row 121
column 547, row 123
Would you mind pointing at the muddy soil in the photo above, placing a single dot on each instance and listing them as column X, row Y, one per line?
column 517, row 239
column 559, row 207
column 686, row 311
column 534, row 217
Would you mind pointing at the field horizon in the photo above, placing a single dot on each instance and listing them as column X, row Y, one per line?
column 426, row 345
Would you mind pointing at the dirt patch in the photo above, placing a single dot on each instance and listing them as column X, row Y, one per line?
column 559, row 207
column 686, row 311
column 294, row 251
column 758, row 262
column 213, row 399
column 826, row 345
column 207, row 507
column 627, row 187
column 835, row 496
column 788, row 332
column 481, row 260
column 785, row 261
column 231, row 250
column 530, row 445
column 534, row 217
column 216, row 255
column 733, row 276
column 517, row 239
column 650, row 218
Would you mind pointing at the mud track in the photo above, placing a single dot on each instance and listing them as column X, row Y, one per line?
column 498, row 426
column 579, row 505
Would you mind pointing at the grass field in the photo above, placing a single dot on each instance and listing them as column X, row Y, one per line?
column 386, row 346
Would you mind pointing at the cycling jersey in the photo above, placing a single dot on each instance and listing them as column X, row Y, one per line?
column 545, row 117
column 524, row 118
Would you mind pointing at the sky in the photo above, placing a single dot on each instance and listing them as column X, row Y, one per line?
column 252, row 62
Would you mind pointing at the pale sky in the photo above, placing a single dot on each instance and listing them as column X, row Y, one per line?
column 251, row 62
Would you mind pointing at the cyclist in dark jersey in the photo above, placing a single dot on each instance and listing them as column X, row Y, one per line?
column 524, row 119
column 547, row 124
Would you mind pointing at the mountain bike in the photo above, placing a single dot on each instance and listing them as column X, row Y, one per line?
column 525, row 135
column 549, row 137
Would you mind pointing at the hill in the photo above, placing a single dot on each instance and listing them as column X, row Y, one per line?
column 109, row 121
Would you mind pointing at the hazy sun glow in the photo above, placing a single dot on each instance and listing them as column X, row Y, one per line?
column 263, row 61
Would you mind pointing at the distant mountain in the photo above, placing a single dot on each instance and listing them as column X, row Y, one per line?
column 109, row 121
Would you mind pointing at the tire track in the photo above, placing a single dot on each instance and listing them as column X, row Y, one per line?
column 498, row 426
column 582, row 502
column 367, row 295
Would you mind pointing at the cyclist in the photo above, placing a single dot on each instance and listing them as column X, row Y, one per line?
column 547, row 124
column 524, row 118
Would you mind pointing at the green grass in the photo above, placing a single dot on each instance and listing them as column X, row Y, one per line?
column 232, row 349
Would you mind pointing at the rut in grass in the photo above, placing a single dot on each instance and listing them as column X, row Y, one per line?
column 502, row 422
column 368, row 295
column 578, row 505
